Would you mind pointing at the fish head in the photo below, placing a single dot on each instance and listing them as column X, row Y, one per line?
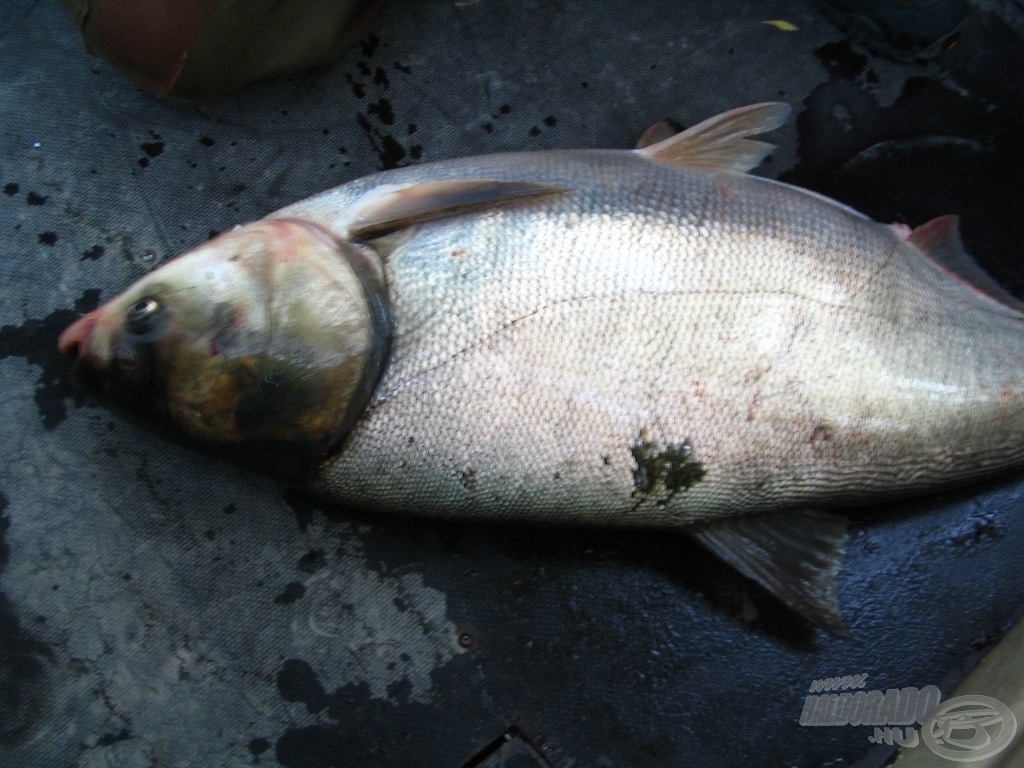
column 262, row 345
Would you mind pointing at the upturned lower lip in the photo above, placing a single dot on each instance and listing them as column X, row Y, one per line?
column 74, row 341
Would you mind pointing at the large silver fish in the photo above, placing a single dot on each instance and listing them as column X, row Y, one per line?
column 631, row 338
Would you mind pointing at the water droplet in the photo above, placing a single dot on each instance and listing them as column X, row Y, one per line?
column 147, row 257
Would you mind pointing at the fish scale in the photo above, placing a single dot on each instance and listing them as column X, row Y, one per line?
column 788, row 312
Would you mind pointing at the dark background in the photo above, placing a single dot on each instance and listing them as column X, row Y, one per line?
column 160, row 608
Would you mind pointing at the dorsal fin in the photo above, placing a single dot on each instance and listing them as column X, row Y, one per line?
column 939, row 240
column 721, row 141
column 390, row 206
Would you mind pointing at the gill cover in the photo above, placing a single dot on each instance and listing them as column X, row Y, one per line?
column 262, row 346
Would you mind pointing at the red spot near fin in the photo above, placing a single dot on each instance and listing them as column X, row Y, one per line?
column 902, row 231
column 939, row 240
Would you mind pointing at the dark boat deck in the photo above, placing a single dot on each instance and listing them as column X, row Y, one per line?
column 159, row 608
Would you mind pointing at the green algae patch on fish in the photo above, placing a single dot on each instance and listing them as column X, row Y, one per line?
column 672, row 466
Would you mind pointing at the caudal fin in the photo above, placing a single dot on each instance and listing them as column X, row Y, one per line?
column 939, row 240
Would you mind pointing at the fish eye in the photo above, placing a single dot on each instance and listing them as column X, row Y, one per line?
column 141, row 315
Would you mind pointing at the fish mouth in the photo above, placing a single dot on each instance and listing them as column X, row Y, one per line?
column 74, row 341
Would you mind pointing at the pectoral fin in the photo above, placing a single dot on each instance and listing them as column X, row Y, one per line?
column 721, row 141
column 390, row 207
column 795, row 555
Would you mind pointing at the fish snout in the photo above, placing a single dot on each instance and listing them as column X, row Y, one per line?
column 74, row 341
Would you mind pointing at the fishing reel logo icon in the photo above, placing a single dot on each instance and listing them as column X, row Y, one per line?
column 966, row 729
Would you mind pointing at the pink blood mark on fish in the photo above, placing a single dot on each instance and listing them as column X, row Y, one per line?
column 902, row 231
column 288, row 246
column 232, row 319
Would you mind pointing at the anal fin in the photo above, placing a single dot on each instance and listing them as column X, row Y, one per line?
column 796, row 555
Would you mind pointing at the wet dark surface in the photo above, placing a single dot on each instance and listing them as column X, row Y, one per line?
column 158, row 607
column 950, row 144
